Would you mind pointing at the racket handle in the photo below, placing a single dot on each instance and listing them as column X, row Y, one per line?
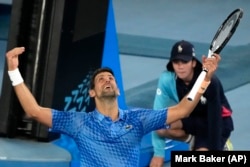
column 210, row 53
column 196, row 86
column 199, row 80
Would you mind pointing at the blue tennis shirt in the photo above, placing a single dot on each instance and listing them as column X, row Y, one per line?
column 106, row 143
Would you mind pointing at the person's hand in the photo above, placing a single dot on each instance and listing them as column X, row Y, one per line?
column 210, row 64
column 12, row 57
column 157, row 162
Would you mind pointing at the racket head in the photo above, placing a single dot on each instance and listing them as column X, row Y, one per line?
column 226, row 30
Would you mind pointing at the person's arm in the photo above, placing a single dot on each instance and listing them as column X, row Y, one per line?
column 160, row 101
column 25, row 97
column 185, row 107
column 214, row 114
column 165, row 93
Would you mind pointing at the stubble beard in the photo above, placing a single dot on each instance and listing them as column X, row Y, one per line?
column 108, row 95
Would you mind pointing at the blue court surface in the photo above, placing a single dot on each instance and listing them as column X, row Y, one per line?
column 146, row 30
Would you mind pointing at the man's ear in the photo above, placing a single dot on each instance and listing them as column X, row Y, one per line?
column 91, row 93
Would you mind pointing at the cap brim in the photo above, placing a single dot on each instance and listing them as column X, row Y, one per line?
column 182, row 57
column 170, row 66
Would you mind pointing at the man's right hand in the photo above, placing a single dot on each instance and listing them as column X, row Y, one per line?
column 12, row 57
column 157, row 162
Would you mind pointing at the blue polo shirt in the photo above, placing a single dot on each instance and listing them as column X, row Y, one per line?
column 106, row 143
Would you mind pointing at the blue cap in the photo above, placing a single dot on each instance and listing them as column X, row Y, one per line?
column 182, row 50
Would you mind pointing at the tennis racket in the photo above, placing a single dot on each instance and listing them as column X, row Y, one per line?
column 221, row 38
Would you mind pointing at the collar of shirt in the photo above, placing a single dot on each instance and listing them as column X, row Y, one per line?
column 113, row 129
column 99, row 116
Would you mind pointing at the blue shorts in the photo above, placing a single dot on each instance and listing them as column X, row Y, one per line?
column 198, row 126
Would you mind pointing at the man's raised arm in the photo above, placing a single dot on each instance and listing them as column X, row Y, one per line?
column 25, row 97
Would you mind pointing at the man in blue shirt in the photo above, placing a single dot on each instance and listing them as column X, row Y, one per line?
column 108, row 136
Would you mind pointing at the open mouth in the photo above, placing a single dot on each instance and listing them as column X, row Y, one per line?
column 107, row 87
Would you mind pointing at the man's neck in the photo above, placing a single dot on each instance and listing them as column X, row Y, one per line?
column 108, row 108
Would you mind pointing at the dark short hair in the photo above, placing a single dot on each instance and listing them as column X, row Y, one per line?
column 96, row 72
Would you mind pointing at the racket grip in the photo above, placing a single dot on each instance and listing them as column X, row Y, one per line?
column 196, row 86
column 210, row 53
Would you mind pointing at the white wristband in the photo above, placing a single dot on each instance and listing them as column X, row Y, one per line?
column 15, row 77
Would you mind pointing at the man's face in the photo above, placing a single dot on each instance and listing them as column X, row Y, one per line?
column 105, row 86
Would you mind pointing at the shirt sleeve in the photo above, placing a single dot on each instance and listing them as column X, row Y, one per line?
column 150, row 119
column 158, row 145
column 66, row 122
column 165, row 95
column 214, row 107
